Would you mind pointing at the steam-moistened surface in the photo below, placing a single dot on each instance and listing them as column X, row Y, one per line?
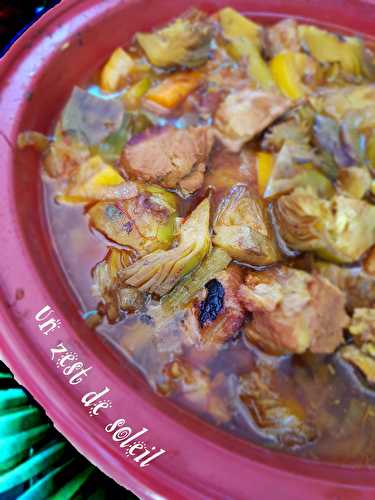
column 210, row 193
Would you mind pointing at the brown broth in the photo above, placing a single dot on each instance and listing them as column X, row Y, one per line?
column 343, row 411
column 337, row 403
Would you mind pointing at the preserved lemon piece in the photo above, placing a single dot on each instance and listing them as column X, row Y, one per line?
column 159, row 271
column 244, row 37
column 258, row 69
column 235, row 25
column 265, row 163
column 96, row 180
column 117, row 68
column 330, row 48
column 287, row 69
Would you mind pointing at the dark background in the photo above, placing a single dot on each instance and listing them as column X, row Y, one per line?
column 17, row 15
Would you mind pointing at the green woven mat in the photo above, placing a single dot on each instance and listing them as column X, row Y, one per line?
column 36, row 462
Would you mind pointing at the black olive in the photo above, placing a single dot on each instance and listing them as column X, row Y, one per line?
column 212, row 305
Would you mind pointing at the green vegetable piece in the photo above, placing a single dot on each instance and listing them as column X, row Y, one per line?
column 145, row 223
column 185, row 42
column 159, row 271
column 354, row 182
column 183, row 293
column 243, row 229
column 295, row 166
column 340, row 230
column 111, row 149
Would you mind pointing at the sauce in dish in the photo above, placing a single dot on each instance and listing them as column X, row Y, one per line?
column 211, row 197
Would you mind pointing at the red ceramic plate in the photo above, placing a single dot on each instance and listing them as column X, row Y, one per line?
column 98, row 401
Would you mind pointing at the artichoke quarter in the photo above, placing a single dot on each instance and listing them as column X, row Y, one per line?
column 185, row 42
column 159, row 271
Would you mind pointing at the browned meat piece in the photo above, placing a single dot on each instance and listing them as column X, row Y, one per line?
column 245, row 113
column 216, row 314
column 281, row 419
column 171, row 158
column 221, row 314
column 358, row 286
column 282, row 36
column 293, row 311
column 362, row 325
column 227, row 168
column 224, row 74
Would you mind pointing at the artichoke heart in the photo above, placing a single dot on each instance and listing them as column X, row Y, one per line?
column 159, row 271
column 185, row 42
column 338, row 102
column 242, row 228
column 341, row 229
column 107, row 285
column 145, row 223
column 295, row 166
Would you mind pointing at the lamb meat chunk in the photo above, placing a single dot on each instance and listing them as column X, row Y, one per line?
column 216, row 313
column 358, row 286
column 221, row 314
column 245, row 113
column 227, row 168
column 170, row 157
column 293, row 311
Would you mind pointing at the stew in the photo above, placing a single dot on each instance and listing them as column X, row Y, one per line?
column 211, row 195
